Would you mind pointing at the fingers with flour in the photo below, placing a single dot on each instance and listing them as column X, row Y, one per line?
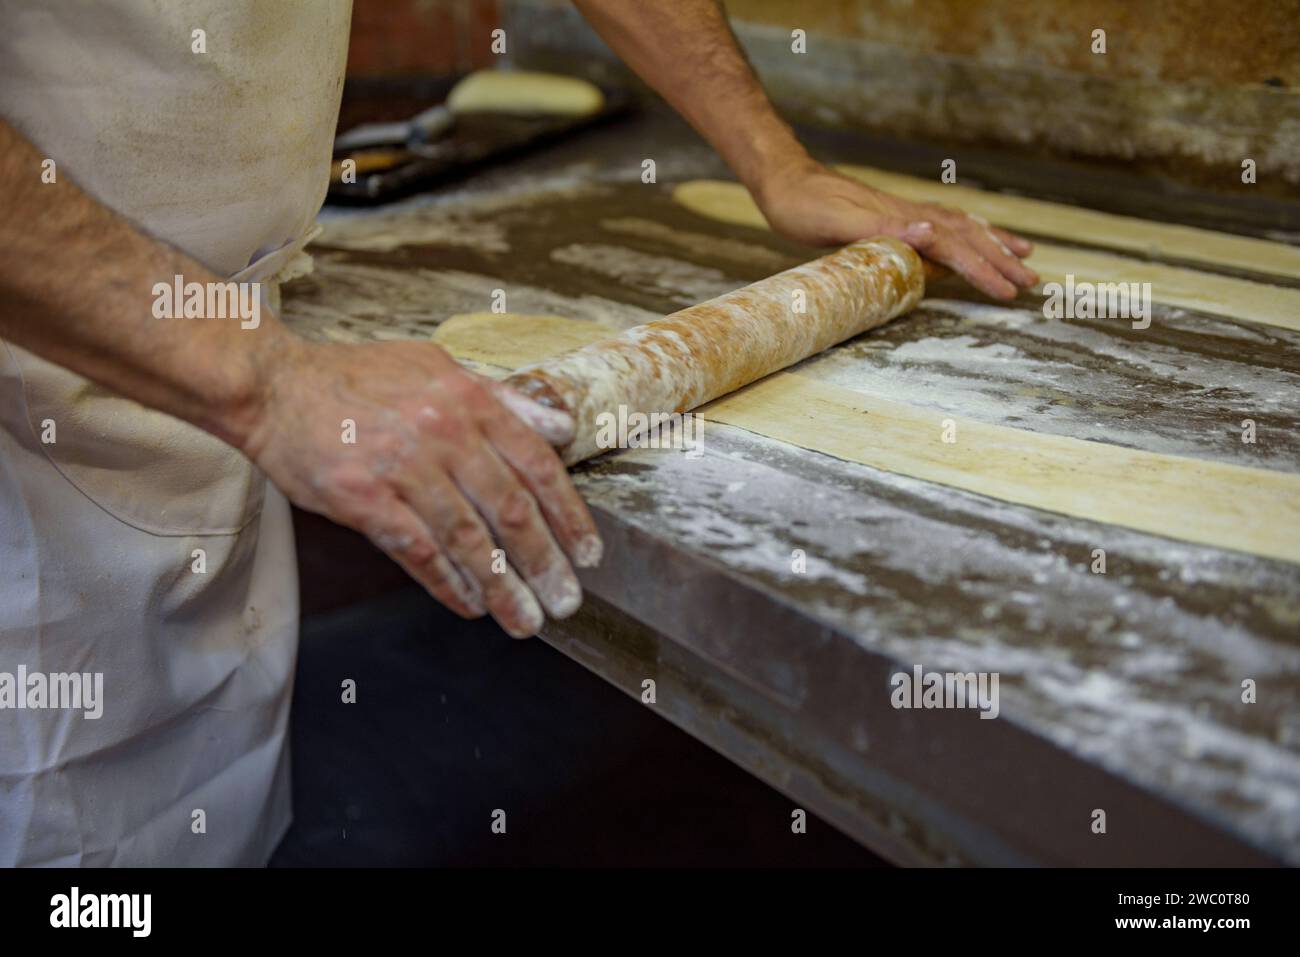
column 460, row 530
column 512, row 512
column 408, row 540
column 543, row 473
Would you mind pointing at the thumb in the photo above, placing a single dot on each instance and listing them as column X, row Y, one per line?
column 919, row 234
column 554, row 426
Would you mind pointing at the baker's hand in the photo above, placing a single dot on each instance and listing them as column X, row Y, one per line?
column 811, row 203
column 436, row 466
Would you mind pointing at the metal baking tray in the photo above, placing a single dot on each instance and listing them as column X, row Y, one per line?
column 475, row 141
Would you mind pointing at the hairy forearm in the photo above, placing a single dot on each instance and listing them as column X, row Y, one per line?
column 76, row 287
column 685, row 50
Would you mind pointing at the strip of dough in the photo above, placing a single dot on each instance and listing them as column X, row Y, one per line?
column 1195, row 500
column 1127, row 233
column 1204, row 292
column 1211, row 503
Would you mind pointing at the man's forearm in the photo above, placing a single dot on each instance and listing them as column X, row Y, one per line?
column 686, row 51
column 76, row 287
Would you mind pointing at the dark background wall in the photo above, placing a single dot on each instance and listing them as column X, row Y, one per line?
column 420, row 37
column 1187, row 88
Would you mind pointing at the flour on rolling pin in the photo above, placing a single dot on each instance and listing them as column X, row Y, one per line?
column 686, row 359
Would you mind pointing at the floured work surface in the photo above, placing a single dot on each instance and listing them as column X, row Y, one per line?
column 1119, row 691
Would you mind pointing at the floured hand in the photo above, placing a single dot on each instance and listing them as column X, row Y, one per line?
column 438, row 468
column 813, row 204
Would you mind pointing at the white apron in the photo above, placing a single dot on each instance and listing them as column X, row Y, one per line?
column 225, row 155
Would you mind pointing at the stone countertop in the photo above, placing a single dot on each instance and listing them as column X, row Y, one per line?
column 1119, row 691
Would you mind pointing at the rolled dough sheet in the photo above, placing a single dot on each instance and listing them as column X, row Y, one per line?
column 1210, row 503
column 521, row 91
column 680, row 361
column 1174, row 286
column 1125, row 233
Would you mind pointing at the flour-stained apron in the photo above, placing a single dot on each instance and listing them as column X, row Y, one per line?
column 225, row 155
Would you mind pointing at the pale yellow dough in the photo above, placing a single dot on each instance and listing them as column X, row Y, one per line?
column 1210, row 503
column 520, row 91
column 1174, row 286
column 1092, row 227
column 511, row 340
column 1186, row 288
column 1195, row 500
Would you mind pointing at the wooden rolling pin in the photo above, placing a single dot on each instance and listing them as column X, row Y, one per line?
column 684, row 360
